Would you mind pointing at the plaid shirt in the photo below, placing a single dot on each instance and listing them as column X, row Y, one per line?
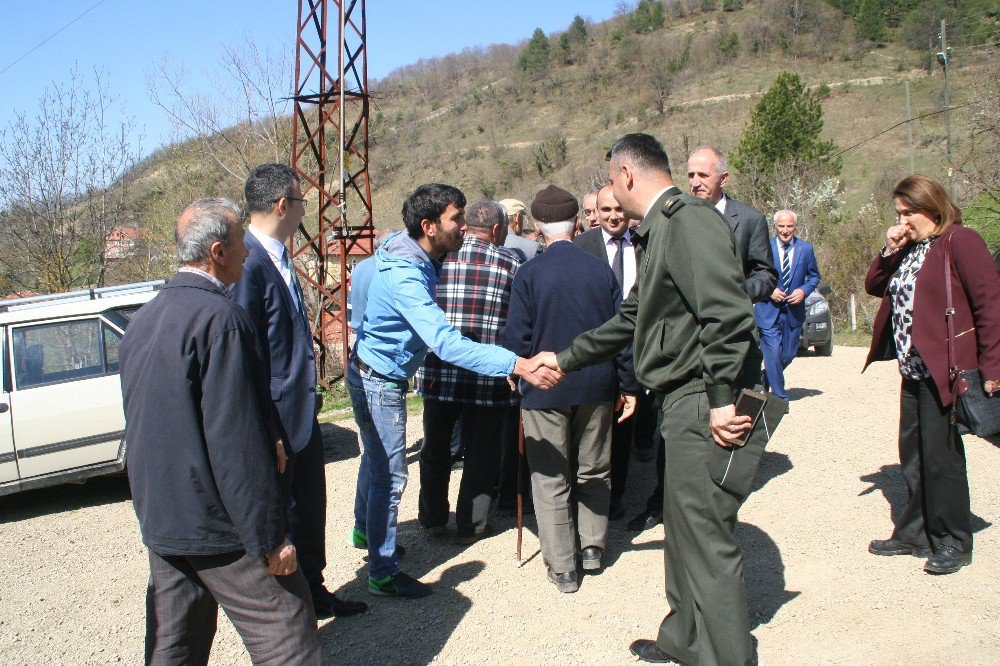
column 474, row 293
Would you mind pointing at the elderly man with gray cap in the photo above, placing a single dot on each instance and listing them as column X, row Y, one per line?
column 524, row 247
column 567, row 429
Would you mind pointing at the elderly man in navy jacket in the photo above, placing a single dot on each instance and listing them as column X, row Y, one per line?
column 202, row 463
column 567, row 429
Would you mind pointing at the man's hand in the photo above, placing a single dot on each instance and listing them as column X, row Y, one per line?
column 796, row 297
column 282, row 561
column 626, row 404
column 990, row 385
column 726, row 426
column 778, row 296
column 279, row 448
column 548, row 359
column 895, row 238
column 536, row 373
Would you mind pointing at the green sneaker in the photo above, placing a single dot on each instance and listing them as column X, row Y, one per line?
column 399, row 585
column 359, row 539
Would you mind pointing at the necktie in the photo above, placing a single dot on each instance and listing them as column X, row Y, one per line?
column 618, row 262
column 785, row 273
column 296, row 289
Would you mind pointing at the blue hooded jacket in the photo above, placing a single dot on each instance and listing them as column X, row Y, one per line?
column 402, row 318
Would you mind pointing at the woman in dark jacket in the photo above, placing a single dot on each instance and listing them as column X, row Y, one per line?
column 910, row 327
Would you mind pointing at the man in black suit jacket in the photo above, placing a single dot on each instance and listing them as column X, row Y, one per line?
column 202, row 464
column 611, row 241
column 270, row 292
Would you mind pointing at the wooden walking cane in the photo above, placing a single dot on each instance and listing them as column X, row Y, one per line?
column 520, row 485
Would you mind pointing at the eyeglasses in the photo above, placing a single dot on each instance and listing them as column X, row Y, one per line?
column 304, row 201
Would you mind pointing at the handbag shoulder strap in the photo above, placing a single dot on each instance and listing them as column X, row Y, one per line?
column 949, row 311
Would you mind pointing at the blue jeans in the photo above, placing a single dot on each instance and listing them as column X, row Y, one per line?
column 380, row 412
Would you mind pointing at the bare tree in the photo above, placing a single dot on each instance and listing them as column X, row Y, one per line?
column 979, row 167
column 65, row 183
column 246, row 119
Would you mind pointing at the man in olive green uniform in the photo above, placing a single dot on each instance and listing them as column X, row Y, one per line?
column 691, row 324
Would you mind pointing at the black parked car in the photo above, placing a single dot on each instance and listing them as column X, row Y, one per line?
column 817, row 331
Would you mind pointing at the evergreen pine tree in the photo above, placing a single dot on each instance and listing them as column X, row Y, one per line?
column 577, row 30
column 869, row 21
column 784, row 127
column 535, row 56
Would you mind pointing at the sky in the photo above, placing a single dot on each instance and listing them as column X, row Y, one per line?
column 125, row 39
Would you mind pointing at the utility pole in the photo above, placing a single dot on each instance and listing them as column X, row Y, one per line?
column 909, row 124
column 943, row 58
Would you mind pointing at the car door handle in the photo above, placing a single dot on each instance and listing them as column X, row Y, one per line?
column 4, row 407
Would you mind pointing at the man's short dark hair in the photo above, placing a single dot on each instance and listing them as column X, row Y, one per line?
column 644, row 152
column 428, row 202
column 484, row 214
column 267, row 184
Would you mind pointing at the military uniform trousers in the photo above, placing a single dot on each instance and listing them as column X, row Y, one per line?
column 708, row 623
column 569, row 452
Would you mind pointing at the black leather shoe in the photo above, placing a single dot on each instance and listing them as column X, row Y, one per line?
column 647, row 651
column 327, row 604
column 564, row 582
column 615, row 511
column 646, row 520
column 946, row 560
column 896, row 547
column 590, row 558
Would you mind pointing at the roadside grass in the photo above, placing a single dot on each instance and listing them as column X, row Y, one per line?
column 851, row 338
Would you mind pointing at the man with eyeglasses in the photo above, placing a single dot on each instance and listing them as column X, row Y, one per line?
column 270, row 292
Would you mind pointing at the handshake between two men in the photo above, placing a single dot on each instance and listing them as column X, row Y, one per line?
column 543, row 372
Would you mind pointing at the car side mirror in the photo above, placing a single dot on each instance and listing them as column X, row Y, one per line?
column 824, row 289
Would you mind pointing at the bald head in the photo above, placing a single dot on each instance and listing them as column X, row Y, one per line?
column 609, row 212
column 708, row 173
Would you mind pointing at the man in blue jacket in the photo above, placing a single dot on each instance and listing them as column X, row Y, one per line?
column 270, row 293
column 202, row 462
column 402, row 320
column 780, row 318
column 567, row 431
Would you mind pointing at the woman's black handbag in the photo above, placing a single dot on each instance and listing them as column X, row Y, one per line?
column 971, row 406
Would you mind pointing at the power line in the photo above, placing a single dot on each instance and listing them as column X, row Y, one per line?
column 44, row 41
column 889, row 129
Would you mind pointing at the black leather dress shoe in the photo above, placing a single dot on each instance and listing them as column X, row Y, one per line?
column 564, row 582
column 896, row 547
column 649, row 652
column 327, row 604
column 590, row 558
column 646, row 520
column 946, row 560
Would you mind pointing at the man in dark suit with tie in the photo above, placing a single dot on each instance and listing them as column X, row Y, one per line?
column 270, row 292
column 611, row 241
column 780, row 317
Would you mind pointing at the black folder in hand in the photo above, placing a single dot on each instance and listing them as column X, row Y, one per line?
column 733, row 469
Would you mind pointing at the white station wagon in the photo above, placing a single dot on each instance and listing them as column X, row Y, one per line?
column 61, row 416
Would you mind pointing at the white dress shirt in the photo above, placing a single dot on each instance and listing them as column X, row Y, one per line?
column 278, row 254
column 628, row 258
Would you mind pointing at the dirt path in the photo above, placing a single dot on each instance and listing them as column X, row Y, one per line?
column 73, row 573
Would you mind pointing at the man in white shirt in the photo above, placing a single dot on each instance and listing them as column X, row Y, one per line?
column 612, row 242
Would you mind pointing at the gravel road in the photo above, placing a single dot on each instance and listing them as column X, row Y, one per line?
column 74, row 570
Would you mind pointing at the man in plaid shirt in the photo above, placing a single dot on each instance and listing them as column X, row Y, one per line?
column 474, row 292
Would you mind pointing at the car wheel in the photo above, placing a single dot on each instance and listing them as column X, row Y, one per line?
column 824, row 350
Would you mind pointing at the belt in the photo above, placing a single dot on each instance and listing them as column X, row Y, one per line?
column 364, row 367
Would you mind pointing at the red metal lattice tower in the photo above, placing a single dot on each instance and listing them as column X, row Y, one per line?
column 330, row 154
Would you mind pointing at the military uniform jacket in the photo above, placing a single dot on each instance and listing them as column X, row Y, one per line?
column 688, row 315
